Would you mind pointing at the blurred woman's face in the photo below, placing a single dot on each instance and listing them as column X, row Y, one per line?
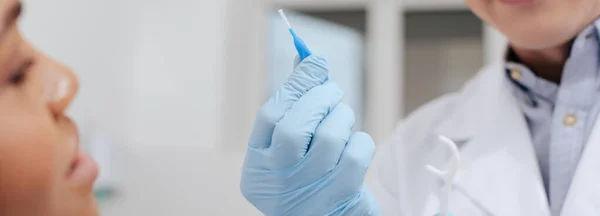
column 42, row 169
column 537, row 24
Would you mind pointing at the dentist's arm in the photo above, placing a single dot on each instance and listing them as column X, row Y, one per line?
column 303, row 158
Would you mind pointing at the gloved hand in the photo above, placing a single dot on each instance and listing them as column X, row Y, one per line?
column 303, row 158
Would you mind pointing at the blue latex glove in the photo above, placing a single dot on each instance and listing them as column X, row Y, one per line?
column 303, row 158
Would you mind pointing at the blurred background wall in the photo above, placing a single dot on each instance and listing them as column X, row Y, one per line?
column 169, row 88
column 150, row 75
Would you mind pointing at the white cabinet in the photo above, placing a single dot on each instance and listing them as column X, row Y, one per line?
column 414, row 51
column 356, row 4
column 342, row 46
column 321, row 4
column 443, row 50
column 433, row 5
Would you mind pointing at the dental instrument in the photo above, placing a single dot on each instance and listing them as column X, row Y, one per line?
column 447, row 175
column 301, row 47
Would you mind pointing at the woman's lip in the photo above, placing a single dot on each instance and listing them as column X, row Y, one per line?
column 516, row 2
column 83, row 169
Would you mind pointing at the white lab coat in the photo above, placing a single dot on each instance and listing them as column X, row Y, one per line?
column 499, row 169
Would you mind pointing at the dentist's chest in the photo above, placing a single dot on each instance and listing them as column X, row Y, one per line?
column 499, row 175
column 499, row 172
column 492, row 182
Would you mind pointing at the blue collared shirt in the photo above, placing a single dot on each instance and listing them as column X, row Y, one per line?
column 561, row 117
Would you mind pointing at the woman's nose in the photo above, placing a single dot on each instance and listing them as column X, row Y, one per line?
column 61, row 84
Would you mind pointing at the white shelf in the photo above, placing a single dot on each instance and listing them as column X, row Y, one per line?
column 410, row 5
column 316, row 5
column 434, row 5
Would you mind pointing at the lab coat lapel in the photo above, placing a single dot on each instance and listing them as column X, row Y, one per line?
column 499, row 168
column 583, row 197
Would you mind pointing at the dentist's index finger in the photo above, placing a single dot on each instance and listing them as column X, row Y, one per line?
column 308, row 74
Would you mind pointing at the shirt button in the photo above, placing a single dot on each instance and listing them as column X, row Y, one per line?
column 570, row 120
column 529, row 102
column 515, row 74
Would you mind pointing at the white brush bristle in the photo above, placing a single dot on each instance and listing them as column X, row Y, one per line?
column 285, row 19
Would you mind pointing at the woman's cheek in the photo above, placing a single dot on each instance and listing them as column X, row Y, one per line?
column 28, row 159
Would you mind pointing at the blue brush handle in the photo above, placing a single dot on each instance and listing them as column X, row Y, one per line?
column 301, row 47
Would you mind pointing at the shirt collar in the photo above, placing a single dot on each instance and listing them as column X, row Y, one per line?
column 527, row 81
column 591, row 32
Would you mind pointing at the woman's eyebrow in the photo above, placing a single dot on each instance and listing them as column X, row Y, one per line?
column 10, row 16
